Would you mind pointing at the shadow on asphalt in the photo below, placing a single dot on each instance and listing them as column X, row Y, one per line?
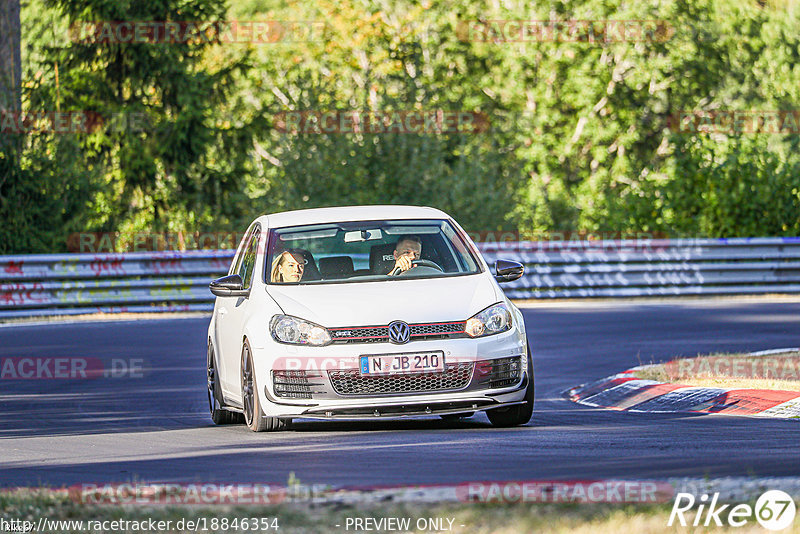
column 37, row 409
column 371, row 426
column 153, row 409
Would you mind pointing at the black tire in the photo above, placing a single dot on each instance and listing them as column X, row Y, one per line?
column 254, row 416
column 219, row 414
column 519, row 414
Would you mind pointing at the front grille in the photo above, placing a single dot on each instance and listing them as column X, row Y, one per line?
column 372, row 334
column 380, row 334
column 350, row 381
column 436, row 329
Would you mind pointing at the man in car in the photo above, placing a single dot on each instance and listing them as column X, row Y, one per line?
column 407, row 249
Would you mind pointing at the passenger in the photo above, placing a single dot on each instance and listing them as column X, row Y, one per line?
column 407, row 249
column 287, row 267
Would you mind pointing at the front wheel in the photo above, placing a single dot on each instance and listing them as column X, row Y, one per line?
column 519, row 414
column 254, row 416
column 219, row 414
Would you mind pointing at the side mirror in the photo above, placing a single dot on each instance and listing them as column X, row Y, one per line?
column 229, row 286
column 508, row 271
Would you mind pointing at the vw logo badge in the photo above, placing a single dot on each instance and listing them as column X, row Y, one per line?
column 399, row 332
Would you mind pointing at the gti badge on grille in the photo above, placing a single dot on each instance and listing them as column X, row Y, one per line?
column 399, row 332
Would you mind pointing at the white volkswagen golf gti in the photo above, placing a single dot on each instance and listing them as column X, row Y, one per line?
column 365, row 312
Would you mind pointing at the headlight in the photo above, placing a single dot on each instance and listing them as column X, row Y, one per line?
column 288, row 329
column 492, row 320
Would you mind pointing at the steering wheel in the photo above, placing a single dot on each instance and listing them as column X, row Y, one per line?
column 419, row 263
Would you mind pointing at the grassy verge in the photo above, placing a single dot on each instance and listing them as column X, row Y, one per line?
column 323, row 518
column 736, row 371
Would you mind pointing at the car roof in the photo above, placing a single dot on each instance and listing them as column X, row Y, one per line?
column 349, row 213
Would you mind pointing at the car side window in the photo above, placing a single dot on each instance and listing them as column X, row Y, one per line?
column 248, row 263
column 237, row 259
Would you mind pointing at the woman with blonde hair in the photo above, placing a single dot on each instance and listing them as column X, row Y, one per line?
column 287, row 267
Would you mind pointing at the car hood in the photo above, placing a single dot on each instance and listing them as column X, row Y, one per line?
column 379, row 303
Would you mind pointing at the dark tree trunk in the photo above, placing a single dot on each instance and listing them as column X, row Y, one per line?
column 10, row 62
column 10, row 70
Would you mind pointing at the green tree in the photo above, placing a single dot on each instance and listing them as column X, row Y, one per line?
column 167, row 153
column 582, row 134
column 732, row 187
column 381, row 57
column 599, row 145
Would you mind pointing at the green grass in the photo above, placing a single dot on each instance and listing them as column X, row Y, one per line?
column 733, row 371
column 319, row 518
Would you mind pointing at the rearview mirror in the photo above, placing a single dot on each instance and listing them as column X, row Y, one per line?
column 357, row 236
column 508, row 271
column 229, row 286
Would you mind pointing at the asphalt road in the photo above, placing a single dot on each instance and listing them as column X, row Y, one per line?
column 155, row 428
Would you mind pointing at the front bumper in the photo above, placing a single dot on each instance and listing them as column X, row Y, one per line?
column 330, row 401
column 416, row 408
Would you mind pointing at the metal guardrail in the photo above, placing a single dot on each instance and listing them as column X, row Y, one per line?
column 69, row 284
column 652, row 267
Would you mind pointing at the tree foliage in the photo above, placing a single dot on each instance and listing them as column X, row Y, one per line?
column 582, row 132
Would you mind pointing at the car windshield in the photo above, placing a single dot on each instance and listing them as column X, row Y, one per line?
column 367, row 251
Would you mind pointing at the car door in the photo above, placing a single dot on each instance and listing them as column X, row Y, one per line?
column 230, row 318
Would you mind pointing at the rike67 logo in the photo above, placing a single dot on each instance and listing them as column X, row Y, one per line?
column 774, row 510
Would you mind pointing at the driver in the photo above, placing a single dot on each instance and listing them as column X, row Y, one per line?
column 407, row 249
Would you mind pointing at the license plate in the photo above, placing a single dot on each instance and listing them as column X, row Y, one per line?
column 392, row 364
